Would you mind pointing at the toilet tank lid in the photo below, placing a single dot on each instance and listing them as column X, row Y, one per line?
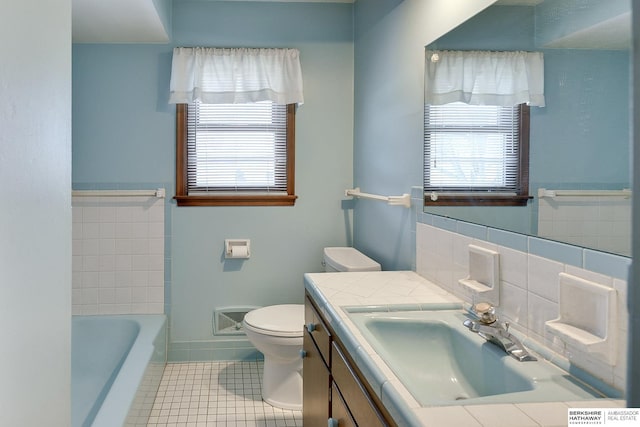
column 284, row 318
column 349, row 259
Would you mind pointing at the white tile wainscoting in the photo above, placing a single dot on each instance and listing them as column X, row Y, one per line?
column 118, row 255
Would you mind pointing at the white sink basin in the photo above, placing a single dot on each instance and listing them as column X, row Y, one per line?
column 441, row 362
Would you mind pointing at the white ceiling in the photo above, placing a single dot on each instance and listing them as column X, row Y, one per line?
column 138, row 21
column 614, row 33
column 518, row 2
column 128, row 21
column 117, row 21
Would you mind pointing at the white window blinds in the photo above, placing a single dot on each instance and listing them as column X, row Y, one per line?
column 235, row 76
column 471, row 148
column 237, row 147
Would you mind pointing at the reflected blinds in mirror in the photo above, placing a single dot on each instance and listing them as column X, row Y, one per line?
column 472, row 148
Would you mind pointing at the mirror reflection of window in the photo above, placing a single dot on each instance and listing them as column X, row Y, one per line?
column 475, row 150
column 580, row 141
column 476, row 133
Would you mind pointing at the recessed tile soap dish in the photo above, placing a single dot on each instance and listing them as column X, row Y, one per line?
column 587, row 319
column 483, row 281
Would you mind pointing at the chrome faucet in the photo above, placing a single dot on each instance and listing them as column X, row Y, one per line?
column 489, row 328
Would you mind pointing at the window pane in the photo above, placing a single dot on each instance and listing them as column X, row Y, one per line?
column 237, row 147
column 470, row 160
column 230, row 159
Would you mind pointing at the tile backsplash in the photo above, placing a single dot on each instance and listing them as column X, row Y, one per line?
column 118, row 255
column 597, row 222
column 528, row 286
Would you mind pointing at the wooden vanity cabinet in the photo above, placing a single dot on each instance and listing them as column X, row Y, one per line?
column 316, row 383
column 333, row 393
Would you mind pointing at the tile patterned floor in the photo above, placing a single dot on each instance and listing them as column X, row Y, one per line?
column 219, row 394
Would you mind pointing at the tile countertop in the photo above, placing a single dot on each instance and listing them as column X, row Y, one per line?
column 332, row 291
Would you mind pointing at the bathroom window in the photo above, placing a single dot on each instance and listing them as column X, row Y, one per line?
column 235, row 113
column 476, row 155
column 235, row 154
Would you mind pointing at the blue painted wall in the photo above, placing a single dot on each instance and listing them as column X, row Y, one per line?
column 389, row 61
column 124, row 136
column 586, row 118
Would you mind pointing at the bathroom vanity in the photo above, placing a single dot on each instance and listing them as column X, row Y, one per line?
column 348, row 381
column 333, row 389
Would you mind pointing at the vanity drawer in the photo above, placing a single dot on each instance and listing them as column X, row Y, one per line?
column 360, row 405
column 339, row 412
column 318, row 331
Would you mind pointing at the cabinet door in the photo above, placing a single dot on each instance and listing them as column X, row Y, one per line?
column 360, row 405
column 315, row 386
column 339, row 412
column 319, row 332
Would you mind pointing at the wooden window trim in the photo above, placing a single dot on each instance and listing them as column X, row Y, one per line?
column 237, row 199
column 486, row 199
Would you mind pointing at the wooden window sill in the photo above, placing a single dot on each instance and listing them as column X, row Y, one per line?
column 477, row 200
column 235, row 200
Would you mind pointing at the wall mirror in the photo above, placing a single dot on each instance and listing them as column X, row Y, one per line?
column 579, row 166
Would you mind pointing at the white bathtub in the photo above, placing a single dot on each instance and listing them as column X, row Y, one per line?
column 116, row 366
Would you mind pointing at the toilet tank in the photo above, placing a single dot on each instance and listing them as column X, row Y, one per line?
column 348, row 259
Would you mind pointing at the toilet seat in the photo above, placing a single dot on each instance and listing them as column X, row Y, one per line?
column 285, row 320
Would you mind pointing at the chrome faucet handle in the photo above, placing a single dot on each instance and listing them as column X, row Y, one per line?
column 486, row 312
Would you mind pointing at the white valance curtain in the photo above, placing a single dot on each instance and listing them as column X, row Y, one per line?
column 235, row 75
column 484, row 78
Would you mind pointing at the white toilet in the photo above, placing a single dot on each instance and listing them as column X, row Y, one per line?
column 276, row 331
column 347, row 259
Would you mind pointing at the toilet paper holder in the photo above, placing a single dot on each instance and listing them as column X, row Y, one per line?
column 237, row 248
